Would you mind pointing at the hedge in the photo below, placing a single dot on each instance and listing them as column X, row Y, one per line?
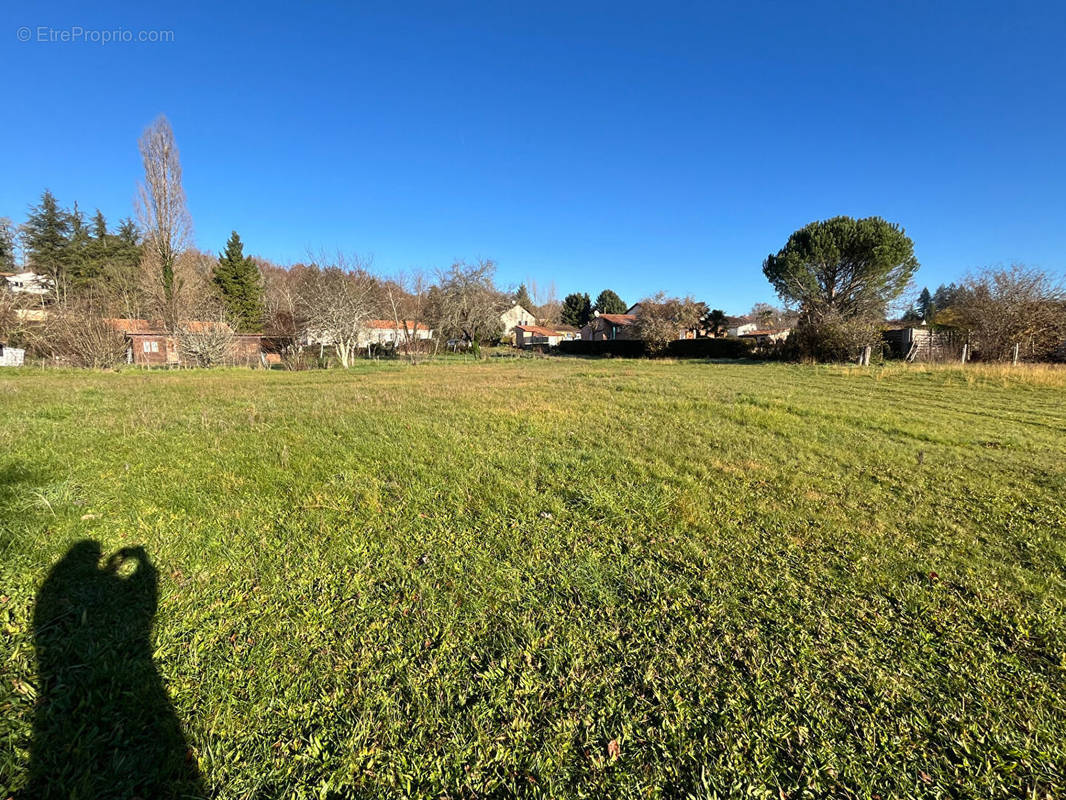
column 682, row 348
column 711, row 348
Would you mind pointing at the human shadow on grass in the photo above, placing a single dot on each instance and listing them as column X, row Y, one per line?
column 104, row 727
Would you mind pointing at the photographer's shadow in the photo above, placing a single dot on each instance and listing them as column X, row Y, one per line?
column 104, row 726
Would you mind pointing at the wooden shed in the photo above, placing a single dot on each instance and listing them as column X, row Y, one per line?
column 921, row 343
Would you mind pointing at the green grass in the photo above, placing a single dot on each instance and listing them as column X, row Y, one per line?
column 468, row 580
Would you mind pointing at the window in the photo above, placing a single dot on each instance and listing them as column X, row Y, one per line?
column 155, row 347
column 146, row 345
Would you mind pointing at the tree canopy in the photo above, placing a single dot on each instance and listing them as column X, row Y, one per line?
column 465, row 303
column 843, row 267
column 239, row 285
column 714, row 321
column 926, row 308
column 522, row 298
column 608, row 302
column 46, row 234
column 577, row 310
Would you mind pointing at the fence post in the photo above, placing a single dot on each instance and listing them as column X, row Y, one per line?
column 866, row 355
column 1015, row 358
column 965, row 353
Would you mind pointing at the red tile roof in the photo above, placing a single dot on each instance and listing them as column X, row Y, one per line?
column 141, row 327
column 200, row 326
column 390, row 324
column 130, row 325
column 537, row 330
column 619, row 319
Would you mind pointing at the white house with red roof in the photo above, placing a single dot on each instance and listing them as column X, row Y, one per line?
column 388, row 331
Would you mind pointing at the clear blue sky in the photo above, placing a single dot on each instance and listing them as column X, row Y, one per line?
column 637, row 147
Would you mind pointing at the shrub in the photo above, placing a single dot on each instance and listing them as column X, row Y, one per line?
column 831, row 338
column 206, row 345
column 75, row 337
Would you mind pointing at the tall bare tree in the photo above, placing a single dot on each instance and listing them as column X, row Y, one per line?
column 162, row 212
column 546, row 299
column 407, row 297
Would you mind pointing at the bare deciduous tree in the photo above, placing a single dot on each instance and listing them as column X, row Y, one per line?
column 466, row 304
column 283, row 319
column 407, row 296
column 548, row 306
column 206, row 343
column 9, row 321
column 73, row 334
column 336, row 303
column 164, row 217
column 191, row 296
column 1001, row 308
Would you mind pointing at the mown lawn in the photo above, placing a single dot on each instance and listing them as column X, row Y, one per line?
column 559, row 578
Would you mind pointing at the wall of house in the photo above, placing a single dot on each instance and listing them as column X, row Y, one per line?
column 152, row 349
column 157, row 350
column 516, row 316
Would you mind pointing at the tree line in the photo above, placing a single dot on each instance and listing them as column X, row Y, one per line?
column 839, row 280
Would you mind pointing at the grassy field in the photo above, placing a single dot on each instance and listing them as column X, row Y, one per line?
column 559, row 578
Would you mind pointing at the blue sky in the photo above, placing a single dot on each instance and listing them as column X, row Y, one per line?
column 636, row 147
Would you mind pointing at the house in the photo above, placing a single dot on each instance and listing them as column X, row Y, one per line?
column 387, row 331
column 151, row 345
column 148, row 345
column 515, row 315
column 567, row 331
column 604, row 327
column 535, row 336
column 740, row 329
column 27, row 282
column 765, row 335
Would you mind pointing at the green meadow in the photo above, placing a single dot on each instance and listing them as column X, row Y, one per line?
column 543, row 578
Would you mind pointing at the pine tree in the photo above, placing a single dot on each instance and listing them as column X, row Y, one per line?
column 99, row 225
column 522, row 298
column 239, row 286
column 46, row 235
column 80, row 261
column 925, row 305
column 126, row 250
column 577, row 310
column 608, row 302
column 128, row 233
